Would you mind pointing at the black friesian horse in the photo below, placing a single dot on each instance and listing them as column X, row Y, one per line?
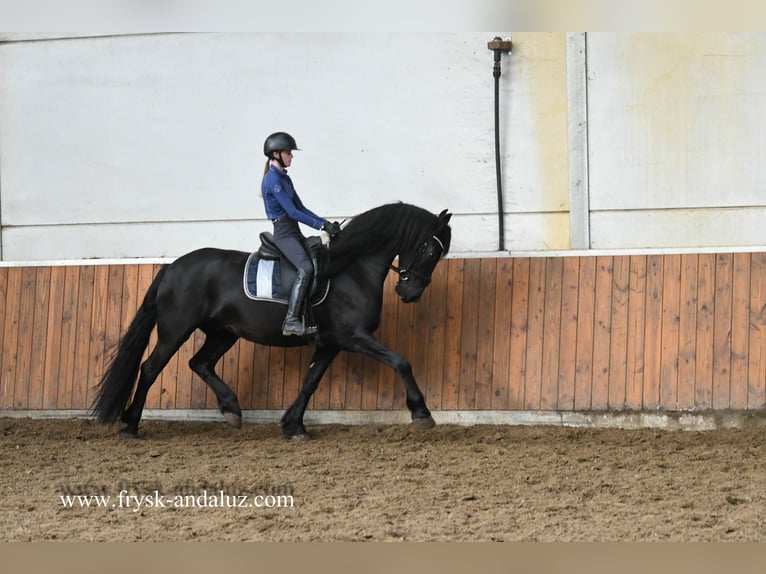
column 204, row 290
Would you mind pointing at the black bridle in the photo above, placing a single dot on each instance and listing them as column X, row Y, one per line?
column 404, row 273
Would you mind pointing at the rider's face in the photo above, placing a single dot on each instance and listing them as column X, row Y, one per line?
column 287, row 157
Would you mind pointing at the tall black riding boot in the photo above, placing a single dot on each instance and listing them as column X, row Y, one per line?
column 293, row 324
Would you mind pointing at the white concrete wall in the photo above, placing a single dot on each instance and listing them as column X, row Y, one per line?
column 677, row 145
column 150, row 146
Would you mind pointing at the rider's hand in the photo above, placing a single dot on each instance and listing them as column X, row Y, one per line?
column 332, row 228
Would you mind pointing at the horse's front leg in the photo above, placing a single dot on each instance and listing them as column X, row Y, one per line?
column 366, row 344
column 292, row 420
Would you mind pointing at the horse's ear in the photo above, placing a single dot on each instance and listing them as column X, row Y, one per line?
column 444, row 217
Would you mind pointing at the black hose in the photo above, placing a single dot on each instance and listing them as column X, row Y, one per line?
column 500, row 214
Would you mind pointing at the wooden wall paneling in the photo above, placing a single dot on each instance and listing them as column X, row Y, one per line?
column 703, row 390
column 337, row 382
column 486, row 332
column 68, row 337
column 670, row 330
column 549, row 392
column 10, row 337
column 602, row 327
column 570, row 292
column 276, row 377
column 244, row 375
column 354, row 380
column 535, row 334
column 517, row 361
column 722, row 331
column 756, row 371
column 586, row 313
column 687, row 338
column 437, row 314
column 619, row 333
column 453, row 331
column 740, row 327
column 26, row 338
column 469, row 334
column 97, row 330
column 651, row 395
column 39, row 339
column 501, row 341
column 634, row 366
column 3, row 307
column 261, row 377
column 83, row 329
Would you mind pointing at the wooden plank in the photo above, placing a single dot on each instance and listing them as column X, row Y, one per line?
column 276, row 377
column 486, row 331
column 634, row 366
column 68, row 337
column 337, row 382
column 549, row 392
column 517, row 367
column 437, row 318
column 687, row 336
column 453, row 333
column 535, row 334
column 586, row 312
column 419, row 350
column 703, row 390
column 501, row 342
column 26, row 335
column 469, row 334
column 671, row 318
column 740, row 325
column 354, row 380
column 569, row 319
column 651, row 398
column 756, row 371
column 39, row 337
column 82, row 337
column 97, row 330
column 722, row 314
column 53, row 339
column 602, row 328
column 244, row 374
column 294, row 370
column 3, row 307
column 10, row 337
column 260, row 377
column 619, row 333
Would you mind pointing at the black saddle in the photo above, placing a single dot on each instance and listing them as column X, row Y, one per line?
column 287, row 271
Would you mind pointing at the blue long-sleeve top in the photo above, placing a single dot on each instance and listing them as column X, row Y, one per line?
column 280, row 199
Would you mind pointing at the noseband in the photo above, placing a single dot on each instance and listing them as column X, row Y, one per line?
column 404, row 274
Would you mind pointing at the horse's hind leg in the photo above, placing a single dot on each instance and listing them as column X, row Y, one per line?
column 150, row 370
column 203, row 363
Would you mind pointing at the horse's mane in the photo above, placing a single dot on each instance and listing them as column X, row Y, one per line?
column 385, row 228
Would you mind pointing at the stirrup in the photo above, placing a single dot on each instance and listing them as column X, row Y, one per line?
column 293, row 326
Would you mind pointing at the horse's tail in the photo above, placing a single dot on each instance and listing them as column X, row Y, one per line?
column 116, row 385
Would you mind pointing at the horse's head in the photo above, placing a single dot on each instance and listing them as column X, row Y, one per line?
column 417, row 266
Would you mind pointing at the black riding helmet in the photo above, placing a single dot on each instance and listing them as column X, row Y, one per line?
column 279, row 141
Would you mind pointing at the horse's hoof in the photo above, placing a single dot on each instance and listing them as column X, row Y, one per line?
column 303, row 437
column 424, row 423
column 233, row 419
column 128, row 432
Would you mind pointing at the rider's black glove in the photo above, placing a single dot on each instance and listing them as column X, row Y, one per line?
column 332, row 229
